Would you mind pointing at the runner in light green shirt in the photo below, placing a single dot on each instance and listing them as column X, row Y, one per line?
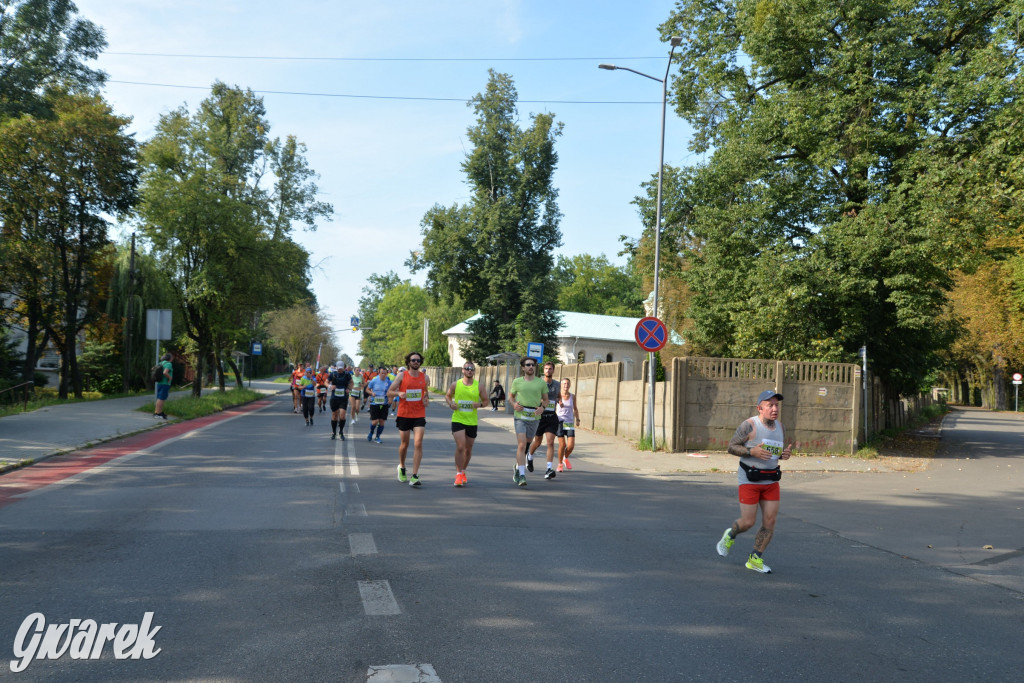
column 529, row 395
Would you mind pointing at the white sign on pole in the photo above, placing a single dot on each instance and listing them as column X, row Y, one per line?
column 158, row 323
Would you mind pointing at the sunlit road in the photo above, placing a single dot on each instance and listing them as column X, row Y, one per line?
column 268, row 552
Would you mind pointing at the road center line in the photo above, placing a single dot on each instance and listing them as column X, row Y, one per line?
column 362, row 544
column 402, row 673
column 378, row 600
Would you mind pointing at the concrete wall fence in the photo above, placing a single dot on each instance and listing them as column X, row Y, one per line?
column 702, row 400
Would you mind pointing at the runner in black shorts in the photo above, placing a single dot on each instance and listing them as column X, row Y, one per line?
column 376, row 398
column 547, row 428
column 340, row 383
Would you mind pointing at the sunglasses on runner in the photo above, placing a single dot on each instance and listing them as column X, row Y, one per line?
column 469, row 369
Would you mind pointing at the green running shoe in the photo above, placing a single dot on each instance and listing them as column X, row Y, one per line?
column 725, row 545
column 758, row 565
column 401, row 474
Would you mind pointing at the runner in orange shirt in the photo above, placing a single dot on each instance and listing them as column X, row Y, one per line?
column 297, row 374
column 410, row 389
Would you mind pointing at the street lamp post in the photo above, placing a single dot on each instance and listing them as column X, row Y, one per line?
column 675, row 41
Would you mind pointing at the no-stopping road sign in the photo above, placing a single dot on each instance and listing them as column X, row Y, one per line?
column 651, row 334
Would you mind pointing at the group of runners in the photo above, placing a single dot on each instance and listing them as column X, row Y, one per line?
column 344, row 390
column 554, row 415
column 545, row 410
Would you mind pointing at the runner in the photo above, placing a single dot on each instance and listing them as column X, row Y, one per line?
column 410, row 388
column 548, row 426
column 529, row 396
column 377, row 399
column 464, row 397
column 568, row 418
column 321, row 387
column 369, row 375
column 297, row 374
column 356, row 394
column 759, row 443
column 394, row 404
column 340, row 383
column 307, row 387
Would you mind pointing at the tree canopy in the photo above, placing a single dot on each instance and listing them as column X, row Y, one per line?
column 220, row 225
column 823, row 217
column 44, row 45
column 494, row 253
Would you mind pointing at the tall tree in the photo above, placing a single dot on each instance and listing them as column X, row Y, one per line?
column 494, row 253
column 219, row 224
column 59, row 178
column 809, row 230
column 43, row 45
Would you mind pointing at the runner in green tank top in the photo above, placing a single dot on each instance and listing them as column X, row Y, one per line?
column 464, row 397
column 356, row 394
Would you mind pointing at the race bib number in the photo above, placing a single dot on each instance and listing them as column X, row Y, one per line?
column 309, row 393
column 568, row 425
column 414, row 395
column 377, row 400
column 526, row 415
column 773, row 447
column 466, row 406
column 340, row 393
column 322, row 390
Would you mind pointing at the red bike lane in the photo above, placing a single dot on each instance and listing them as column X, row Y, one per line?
column 59, row 468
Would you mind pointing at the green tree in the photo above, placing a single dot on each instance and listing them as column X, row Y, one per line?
column 591, row 284
column 398, row 324
column 809, row 230
column 43, row 45
column 151, row 290
column 219, row 225
column 302, row 332
column 494, row 253
column 59, row 178
column 373, row 293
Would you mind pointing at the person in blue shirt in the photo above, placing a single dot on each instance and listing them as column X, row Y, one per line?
column 377, row 392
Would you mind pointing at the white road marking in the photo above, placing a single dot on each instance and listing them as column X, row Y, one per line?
column 355, row 510
column 362, row 544
column 340, row 457
column 353, row 463
column 378, row 600
column 402, row 673
column 355, row 487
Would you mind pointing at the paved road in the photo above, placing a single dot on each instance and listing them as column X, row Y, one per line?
column 269, row 552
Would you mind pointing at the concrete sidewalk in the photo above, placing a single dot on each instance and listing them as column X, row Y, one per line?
column 58, row 429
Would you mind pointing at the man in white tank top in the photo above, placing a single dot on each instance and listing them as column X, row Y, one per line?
column 759, row 442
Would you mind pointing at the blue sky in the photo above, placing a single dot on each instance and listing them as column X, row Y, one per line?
column 384, row 162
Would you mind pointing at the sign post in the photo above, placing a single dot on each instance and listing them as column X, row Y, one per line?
column 158, row 326
column 1017, row 379
column 651, row 335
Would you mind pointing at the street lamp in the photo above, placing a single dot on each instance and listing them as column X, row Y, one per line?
column 675, row 41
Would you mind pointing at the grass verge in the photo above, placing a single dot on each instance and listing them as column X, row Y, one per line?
column 189, row 407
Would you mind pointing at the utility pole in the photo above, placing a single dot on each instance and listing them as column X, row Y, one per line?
column 128, row 319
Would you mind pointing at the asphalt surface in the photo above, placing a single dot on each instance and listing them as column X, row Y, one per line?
column 593, row 576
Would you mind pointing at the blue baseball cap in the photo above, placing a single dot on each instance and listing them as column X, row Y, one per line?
column 766, row 395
